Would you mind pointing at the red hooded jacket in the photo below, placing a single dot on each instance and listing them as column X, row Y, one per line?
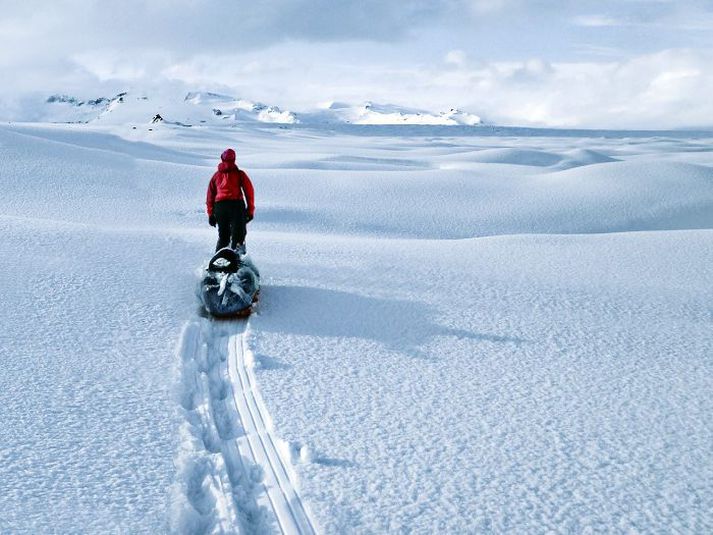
column 230, row 183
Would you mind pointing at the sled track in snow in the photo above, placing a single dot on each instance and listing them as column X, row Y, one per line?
column 251, row 486
column 260, row 443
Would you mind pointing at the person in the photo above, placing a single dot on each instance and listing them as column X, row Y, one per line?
column 229, row 190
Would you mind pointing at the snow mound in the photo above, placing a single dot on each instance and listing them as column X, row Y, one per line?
column 510, row 191
column 356, row 163
column 628, row 196
column 528, row 157
column 581, row 157
column 589, row 157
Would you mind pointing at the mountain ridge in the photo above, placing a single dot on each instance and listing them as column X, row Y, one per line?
column 205, row 107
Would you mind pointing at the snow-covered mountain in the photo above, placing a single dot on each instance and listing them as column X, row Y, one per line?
column 374, row 113
column 198, row 107
column 67, row 109
column 126, row 108
column 230, row 108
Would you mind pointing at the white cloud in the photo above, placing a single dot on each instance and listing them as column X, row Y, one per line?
column 456, row 57
column 596, row 21
column 668, row 89
column 587, row 70
column 664, row 90
column 654, row 15
column 481, row 7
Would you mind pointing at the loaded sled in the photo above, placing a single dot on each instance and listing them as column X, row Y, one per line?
column 230, row 284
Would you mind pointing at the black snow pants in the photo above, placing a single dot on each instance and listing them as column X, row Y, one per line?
column 230, row 216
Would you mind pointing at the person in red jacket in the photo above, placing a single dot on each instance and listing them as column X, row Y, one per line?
column 228, row 192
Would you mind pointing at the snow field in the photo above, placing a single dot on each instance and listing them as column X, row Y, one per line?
column 475, row 395
column 85, row 342
column 642, row 192
column 489, row 333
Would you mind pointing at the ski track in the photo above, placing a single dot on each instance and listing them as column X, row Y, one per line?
column 232, row 476
column 261, row 443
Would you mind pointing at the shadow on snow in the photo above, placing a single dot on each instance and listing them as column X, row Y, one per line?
column 397, row 324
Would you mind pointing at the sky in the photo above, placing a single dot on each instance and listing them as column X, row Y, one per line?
column 586, row 63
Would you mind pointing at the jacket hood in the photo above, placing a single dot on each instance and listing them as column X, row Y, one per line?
column 228, row 155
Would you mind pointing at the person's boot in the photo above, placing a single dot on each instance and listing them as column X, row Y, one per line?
column 240, row 249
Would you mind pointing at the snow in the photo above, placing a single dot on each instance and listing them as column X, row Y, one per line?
column 513, row 384
column 137, row 108
column 459, row 330
column 202, row 107
column 372, row 113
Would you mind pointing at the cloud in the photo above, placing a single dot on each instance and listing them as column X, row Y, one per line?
column 654, row 15
column 512, row 61
column 663, row 90
column 595, row 21
column 456, row 57
column 192, row 25
column 481, row 7
column 90, row 45
column 668, row 89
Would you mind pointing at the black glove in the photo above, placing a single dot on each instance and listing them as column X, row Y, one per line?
column 211, row 220
column 248, row 218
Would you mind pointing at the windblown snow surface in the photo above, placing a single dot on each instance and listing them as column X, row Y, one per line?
column 460, row 331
